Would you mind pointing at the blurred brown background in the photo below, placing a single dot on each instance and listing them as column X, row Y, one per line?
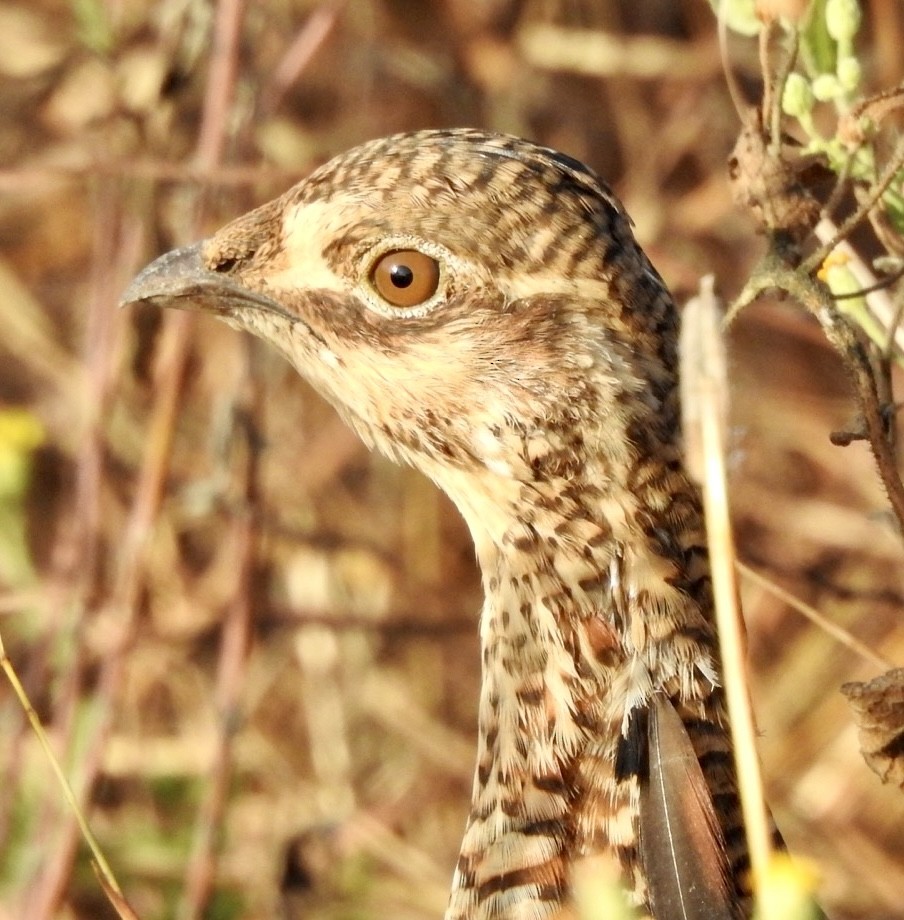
column 253, row 643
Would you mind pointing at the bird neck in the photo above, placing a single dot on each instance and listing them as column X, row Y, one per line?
column 588, row 578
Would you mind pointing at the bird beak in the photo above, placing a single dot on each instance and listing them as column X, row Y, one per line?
column 181, row 279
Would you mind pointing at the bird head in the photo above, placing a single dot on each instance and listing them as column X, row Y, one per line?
column 464, row 299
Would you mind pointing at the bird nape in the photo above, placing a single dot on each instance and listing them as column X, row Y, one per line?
column 476, row 306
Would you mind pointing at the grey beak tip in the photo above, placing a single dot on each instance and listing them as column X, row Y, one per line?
column 170, row 275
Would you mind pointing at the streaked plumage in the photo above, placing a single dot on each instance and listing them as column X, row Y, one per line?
column 538, row 388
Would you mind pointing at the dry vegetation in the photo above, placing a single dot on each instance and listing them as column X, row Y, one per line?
column 254, row 645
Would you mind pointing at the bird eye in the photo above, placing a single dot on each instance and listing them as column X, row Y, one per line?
column 405, row 277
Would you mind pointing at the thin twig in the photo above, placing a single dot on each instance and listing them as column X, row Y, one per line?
column 232, row 661
column 774, row 89
column 840, row 186
column 233, row 654
column 773, row 273
column 220, row 85
column 892, row 168
column 74, row 553
column 894, row 325
column 299, row 55
column 814, row 616
column 741, row 106
column 882, row 284
column 218, row 102
column 26, row 181
column 878, row 300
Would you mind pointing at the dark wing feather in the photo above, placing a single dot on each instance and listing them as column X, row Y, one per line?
column 681, row 844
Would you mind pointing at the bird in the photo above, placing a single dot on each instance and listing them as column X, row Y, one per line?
column 476, row 305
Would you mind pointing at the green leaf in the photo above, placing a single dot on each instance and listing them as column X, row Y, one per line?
column 817, row 48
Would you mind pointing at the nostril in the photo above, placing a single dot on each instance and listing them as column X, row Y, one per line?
column 225, row 266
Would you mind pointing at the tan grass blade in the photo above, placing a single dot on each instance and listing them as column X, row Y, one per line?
column 102, row 867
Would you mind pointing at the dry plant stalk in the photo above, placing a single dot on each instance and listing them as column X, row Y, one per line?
column 704, row 389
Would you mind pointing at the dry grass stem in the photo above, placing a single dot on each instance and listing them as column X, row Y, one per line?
column 34, row 720
column 837, row 632
column 704, row 364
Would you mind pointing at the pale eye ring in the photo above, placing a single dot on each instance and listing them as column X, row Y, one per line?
column 405, row 277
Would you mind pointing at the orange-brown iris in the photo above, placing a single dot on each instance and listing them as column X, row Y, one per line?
column 406, row 277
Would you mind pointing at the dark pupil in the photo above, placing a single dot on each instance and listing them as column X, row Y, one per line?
column 401, row 275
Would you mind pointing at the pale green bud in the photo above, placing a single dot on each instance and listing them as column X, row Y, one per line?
column 826, row 87
column 797, row 99
column 842, row 19
column 849, row 73
column 739, row 15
